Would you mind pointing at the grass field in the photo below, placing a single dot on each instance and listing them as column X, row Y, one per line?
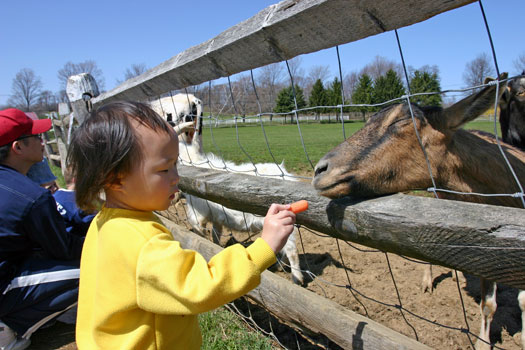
column 285, row 142
column 222, row 330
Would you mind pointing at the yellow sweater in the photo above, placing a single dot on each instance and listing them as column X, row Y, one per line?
column 140, row 290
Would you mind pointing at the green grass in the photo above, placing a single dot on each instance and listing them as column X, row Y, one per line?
column 222, row 330
column 285, row 142
column 58, row 173
column 483, row 126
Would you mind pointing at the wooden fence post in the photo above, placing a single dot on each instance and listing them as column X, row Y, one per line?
column 81, row 88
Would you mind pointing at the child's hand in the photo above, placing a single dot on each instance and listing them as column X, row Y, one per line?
column 278, row 225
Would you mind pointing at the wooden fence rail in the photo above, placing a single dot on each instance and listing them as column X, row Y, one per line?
column 281, row 31
column 483, row 240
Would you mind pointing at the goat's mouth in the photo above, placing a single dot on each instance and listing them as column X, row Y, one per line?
column 345, row 185
column 334, row 189
column 189, row 136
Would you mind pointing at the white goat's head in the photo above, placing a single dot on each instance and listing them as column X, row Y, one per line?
column 178, row 109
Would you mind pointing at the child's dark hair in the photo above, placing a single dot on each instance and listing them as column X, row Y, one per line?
column 105, row 147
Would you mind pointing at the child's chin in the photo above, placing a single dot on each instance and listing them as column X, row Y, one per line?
column 165, row 206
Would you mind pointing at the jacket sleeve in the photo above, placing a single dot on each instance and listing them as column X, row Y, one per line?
column 172, row 280
column 46, row 228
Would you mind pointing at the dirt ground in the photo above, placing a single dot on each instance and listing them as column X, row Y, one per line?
column 439, row 316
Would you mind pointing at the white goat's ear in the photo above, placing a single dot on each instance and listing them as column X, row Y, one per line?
column 471, row 107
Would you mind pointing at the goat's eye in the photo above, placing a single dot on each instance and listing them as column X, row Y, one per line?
column 397, row 122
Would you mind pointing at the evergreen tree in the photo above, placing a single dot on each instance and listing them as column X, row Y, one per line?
column 422, row 81
column 285, row 101
column 318, row 97
column 363, row 94
column 387, row 87
column 334, row 96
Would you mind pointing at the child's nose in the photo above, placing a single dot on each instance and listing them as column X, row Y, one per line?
column 175, row 177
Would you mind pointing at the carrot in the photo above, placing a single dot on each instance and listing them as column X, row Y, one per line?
column 299, row 206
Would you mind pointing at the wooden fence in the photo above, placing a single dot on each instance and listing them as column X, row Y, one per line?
column 483, row 240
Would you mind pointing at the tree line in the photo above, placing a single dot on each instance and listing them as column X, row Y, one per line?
column 379, row 81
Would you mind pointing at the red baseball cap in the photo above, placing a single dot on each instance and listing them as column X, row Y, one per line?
column 15, row 123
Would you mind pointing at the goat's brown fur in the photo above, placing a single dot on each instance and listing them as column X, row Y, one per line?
column 385, row 157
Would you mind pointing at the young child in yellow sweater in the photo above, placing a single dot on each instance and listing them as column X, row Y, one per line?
column 138, row 288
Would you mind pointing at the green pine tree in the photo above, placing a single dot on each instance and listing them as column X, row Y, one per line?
column 425, row 82
column 285, row 100
column 387, row 87
column 318, row 97
column 334, row 96
column 363, row 94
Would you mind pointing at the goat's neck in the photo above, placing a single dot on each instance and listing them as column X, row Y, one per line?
column 197, row 142
column 473, row 163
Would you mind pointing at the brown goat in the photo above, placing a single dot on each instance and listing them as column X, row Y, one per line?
column 385, row 157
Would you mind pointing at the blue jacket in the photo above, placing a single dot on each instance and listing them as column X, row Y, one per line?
column 30, row 222
column 77, row 221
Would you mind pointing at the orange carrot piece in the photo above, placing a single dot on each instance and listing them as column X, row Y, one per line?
column 299, row 206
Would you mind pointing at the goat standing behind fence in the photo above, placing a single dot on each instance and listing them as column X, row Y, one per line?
column 384, row 157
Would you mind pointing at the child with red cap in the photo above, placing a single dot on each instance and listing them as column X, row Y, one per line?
column 39, row 259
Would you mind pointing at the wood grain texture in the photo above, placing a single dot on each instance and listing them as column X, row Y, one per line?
column 281, row 31
column 483, row 240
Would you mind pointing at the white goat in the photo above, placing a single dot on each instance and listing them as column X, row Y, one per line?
column 181, row 111
column 201, row 211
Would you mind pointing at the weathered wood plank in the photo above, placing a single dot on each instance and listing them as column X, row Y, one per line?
column 303, row 309
column 483, row 240
column 281, row 31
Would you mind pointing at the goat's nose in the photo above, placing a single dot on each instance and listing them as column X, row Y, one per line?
column 321, row 167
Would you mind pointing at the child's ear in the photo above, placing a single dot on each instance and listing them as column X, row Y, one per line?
column 115, row 184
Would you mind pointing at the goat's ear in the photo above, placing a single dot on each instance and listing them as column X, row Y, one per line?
column 505, row 96
column 471, row 107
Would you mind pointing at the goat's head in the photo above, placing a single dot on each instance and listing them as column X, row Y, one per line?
column 512, row 112
column 180, row 109
column 385, row 156
column 188, row 108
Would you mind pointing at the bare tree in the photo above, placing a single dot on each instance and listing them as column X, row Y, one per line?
column 25, row 89
column 88, row 66
column 477, row 70
column 245, row 99
column 321, row 72
column 350, row 83
column 47, row 101
column 61, row 96
column 519, row 63
column 269, row 80
column 296, row 71
column 133, row 71
column 380, row 66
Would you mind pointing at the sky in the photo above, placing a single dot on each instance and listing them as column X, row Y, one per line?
column 45, row 35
